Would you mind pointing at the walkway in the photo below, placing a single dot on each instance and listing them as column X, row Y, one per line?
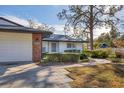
column 33, row 76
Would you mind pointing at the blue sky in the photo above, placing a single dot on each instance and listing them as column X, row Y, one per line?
column 44, row 14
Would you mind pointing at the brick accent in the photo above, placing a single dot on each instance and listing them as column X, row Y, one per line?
column 37, row 47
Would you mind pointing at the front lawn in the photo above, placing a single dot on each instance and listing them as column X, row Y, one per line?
column 104, row 76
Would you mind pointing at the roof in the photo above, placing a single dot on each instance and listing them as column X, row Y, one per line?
column 5, row 27
column 62, row 38
column 11, row 21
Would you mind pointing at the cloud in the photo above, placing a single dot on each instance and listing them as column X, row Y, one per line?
column 59, row 29
column 16, row 19
column 97, row 32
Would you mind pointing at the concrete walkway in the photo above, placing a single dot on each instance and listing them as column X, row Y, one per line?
column 33, row 76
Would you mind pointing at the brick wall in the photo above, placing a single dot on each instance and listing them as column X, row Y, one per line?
column 37, row 46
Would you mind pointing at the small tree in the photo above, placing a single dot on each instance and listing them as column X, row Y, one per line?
column 89, row 17
column 118, row 42
column 36, row 25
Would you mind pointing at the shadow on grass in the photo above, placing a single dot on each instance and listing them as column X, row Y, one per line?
column 105, row 76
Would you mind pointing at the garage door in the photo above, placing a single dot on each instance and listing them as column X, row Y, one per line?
column 15, row 47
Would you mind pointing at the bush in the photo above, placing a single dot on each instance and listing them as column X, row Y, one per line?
column 87, row 52
column 62, row 57
column 83, row 56
column 119, row 53
column 99, row 54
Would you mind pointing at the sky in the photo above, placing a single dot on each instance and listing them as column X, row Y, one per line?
column 42, row 14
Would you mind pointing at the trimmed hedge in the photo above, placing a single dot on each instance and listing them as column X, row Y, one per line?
column 61, row 57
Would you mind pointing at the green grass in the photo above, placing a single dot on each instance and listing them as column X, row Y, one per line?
column 107, row 75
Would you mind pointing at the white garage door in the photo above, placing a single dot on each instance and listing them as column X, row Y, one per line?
column 15, row 47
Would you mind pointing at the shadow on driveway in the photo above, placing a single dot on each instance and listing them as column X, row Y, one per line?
column 28, row 78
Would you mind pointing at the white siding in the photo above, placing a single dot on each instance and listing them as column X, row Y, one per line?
column 45, row 44
column 62, row 46
column 15, row 47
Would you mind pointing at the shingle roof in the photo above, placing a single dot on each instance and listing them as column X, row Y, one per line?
column 19, row 28
column 62, row 38
column 9, row 28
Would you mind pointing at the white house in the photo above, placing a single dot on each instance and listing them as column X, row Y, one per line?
column 19, row 43
column 56, row 43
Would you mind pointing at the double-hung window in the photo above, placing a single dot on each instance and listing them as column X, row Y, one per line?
column 53, row 47
column 71, row 45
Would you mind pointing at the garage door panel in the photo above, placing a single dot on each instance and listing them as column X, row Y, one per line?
column 15, row 47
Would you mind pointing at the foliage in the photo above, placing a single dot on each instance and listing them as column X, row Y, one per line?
column 83, row 56
column 118, row 42
column 72, row 51
column 96, row 45
column 114, row 32
column 100, row 76
column 40, row 26
column 111, row 38
column 83, row 18
column 99, row 54
column 104, row 38
column 122, row 37
column 61, row 57
column 119, row 53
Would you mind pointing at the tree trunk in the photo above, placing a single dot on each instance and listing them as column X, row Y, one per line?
column 91, row 26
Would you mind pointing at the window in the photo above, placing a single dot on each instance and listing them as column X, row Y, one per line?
column 68, row 45
column 71, row 45
column 53, row 47
column 44, row 49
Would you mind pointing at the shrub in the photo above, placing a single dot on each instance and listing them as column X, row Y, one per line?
column 87, row 52
column 62, row 57
column 83, row 56
column 99, row 54
column 119, row 53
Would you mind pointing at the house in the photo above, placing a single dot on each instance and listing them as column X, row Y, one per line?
column 103, row 45
column 19, row 43
column 57, row 43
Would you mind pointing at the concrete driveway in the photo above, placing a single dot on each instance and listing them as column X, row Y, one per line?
column 34, row 76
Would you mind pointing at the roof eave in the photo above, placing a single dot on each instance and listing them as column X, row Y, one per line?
column 65, row 41
column 26, row 31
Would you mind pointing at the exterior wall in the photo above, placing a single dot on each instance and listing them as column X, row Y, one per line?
column 15, row 47
column 61, row 46
column 37, row 47
column 47, row 46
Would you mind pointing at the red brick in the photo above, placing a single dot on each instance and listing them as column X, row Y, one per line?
column 37, row 45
